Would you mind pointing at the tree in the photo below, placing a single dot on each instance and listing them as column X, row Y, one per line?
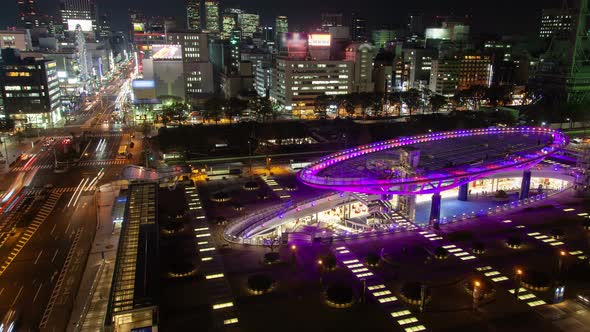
column 235, row 107
column 213, row 108
column 498, row 95
column 264, row 109
column 437, row 102
column 412, row 99
column 174, row 112
column 377, row 103
column 426, row 94
column 322, row 102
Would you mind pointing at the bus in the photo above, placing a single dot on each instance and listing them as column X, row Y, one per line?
column 123, row 152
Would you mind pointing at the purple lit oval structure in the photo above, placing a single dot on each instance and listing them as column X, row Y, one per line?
column 447, row 160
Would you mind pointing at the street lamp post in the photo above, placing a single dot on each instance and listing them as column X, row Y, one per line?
column 476, row 290
column 518, row 278
column 321, row 270
column 293, row 251
column 560, row 259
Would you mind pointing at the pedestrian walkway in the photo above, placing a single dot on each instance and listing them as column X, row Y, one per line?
column 107, row 162
column 377, row 289
column 219, row 291
column 497, row 277
column 30, row 168
column 91, row 302
column 280, row 191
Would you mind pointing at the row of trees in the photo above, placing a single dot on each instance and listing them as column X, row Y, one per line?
column 215, row 109
column 413, row 100
column 379, row 104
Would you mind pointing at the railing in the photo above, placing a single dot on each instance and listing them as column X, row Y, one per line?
column 88, row 303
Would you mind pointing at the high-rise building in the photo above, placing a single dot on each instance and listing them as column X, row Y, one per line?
column 295, row 84
column 193, row 14
column 281, row 25
column 198, row 71
column 30, row 90
column 358, row 28
column 79, row 13
column 332, row 20
column 229, row 21
column 460, row 72
column 212, row 16
column 249, row 24
column 418, row 64
column 18, row 39
column 27, row 12
column 382, row 36
column 555, row 21
column 235, row 42
column 104, row 25
column 361, row 55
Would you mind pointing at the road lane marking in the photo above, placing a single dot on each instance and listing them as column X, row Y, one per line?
column 1, row 290
column 69, row 224
column 54, row 255
column 51, row 233
column 38, row 256
column 37, row 293
column 17, row 295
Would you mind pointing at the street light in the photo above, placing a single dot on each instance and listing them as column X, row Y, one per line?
column 560, row 258
column 293, row 250
column 518, row 277
column 476, row 290
column 321, row 269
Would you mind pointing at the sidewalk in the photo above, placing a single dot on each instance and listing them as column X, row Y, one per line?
column 91, row 302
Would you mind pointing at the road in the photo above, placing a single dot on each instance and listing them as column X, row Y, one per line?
column 49, row 223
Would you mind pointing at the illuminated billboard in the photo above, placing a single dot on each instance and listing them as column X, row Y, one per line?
column 438, row 33
column 321, row 40
column 295, row 40
column 167, row 52
column 85, row 25
column 138, row 27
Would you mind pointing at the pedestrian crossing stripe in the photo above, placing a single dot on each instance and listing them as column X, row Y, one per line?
column 103, row 162
column 105, row 135
column 30, row 168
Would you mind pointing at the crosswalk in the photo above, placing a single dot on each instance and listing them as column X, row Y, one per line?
column 103, row 135
column 31, row 229
column 497, row 277
column 30, row 168
column 280, row 191
column 59, row 190
column 103, row 162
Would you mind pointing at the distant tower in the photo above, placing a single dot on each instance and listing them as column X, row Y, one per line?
column 212, row 16
column 28, row 13
column 193, row 14
column 81, row 54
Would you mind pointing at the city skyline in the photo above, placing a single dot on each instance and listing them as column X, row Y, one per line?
column 500, row 17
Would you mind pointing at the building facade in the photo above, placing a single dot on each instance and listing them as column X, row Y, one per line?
column 295, row 84
column 30, row 91
column 555, row 21
column 249, row 24
column 193, row 14
column 212, row 16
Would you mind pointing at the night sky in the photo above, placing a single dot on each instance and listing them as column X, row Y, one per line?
column 501, row 16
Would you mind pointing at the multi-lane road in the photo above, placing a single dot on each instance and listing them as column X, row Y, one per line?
column 48, row 219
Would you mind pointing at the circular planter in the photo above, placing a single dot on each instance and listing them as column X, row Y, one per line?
column 221, row 220
column 238, row 206
column 329, row 262
column 291, row 187
column 259, row 284
column 173, row 228
column 339, row 296
column 486, row 290
column 372, row 259
column 501, row 196
column 262, row 196
column 557, row 233
column 478, row 248
column 251, row 186
column 536, row 281
column 514, row 242
column 411, row 293
column 586, row 224
column 271, row 258
column 221, row 197
column 441, row 253
column 183, row 270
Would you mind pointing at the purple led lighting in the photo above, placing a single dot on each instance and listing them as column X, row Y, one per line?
column 437, row 180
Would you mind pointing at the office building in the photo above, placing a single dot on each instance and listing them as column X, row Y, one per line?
column 212, row 16
column 17, row 39
column 295, row 84
column 418, row 64
column 104, row 25
column 28, row 13
column 460, row 72
column 249, row 24
column 193, row 14
column 30, row 91
column 262, row 77
column 229, row 21
column 80, row 13
column 556, row 22
column 166, row 69
column 444, row 76
column 281, row 25
column 382, row 37
column 332, row 20
column 358, row 28
column 198, row 71
column 361, row 55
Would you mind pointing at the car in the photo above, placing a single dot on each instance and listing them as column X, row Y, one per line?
column 584, row 298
